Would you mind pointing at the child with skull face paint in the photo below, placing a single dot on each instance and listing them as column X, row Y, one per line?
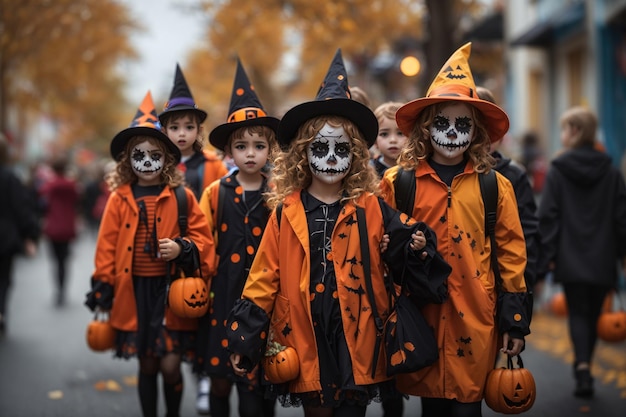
column 449, row 135
column 306, row 288
column 139, row 248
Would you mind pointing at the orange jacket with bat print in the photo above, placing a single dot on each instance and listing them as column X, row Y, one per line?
column 279, row 286
column 469, row 324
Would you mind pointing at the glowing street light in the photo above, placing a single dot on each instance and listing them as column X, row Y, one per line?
column 410, row 66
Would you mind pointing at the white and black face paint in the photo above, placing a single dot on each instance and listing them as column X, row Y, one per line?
column 452, row 131
column 147, row 158
column 329, row 154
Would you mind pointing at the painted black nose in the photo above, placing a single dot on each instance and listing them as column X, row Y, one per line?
column 451, row 133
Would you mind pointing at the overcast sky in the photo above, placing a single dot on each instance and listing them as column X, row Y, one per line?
column 172, row 29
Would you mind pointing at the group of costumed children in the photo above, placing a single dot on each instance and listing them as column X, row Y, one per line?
column 280, row 244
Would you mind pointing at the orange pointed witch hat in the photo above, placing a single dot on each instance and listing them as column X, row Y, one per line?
column 455, row 82
column 145, row 123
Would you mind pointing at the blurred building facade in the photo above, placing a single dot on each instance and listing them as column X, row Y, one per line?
column 564, row 53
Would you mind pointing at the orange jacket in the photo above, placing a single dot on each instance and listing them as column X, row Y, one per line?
column 114, row 250
column 465, row 325
column 279, row 282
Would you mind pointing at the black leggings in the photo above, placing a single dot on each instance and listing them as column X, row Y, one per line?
column 60, row 253
column 584, row 304
column 437, row 407
column 6, row 270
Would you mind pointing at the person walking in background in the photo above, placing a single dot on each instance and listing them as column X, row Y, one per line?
column 181, row 121
column 525, row 204
column 534, row 161
column 307, row 287
column 139, row 249
column 62, row 201
column 582, row 223
column 19, row 223
column 235, row 206
column 390, row 140
column 450, row 131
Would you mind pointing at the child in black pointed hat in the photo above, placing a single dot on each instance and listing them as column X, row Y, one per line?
column 307, row 287
column 236, row 207
column 181, row 121
column 139, row 245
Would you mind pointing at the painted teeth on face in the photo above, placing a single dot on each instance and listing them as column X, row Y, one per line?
column 329, row 154
column 452, row 130
column 146, row 161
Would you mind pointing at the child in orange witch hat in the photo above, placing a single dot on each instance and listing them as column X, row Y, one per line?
column 450, row 131
column 139, row 248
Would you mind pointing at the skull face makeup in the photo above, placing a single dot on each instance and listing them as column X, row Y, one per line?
column 451, row 133
column 329, row 154
column 147, row 161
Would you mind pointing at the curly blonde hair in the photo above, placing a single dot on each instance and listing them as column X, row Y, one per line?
column 292, row 171
column 124, row 174
column 419, row 146
column 198, row 144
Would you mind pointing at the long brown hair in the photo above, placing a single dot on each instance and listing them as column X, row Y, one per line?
column 419, row 146
column 124, row 173
column 292, row 171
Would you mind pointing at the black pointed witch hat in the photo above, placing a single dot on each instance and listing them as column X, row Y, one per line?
column 333, row 97
column 245, row 110
column 145, row 123
column 180, row 99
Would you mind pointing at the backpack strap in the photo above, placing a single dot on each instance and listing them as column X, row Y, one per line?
column 181, row 198
column 366, row 260
column 404, row 186
column 489, row 192
column 279, row 213
column 221, row 195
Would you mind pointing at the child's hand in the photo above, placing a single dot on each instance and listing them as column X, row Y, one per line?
column 384, row 242
column 418, row 243
column 511, row 346
column 235, row 360
column 168, row 249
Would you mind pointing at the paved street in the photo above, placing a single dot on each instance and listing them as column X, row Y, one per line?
column 47, row 370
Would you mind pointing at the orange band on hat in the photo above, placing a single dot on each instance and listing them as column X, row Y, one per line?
column 453, row 90
column 245, row 114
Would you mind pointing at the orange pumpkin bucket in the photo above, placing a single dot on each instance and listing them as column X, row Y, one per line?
column 188, row 297
column 612, row 324
column 100, row 334
column 280, row 363
column 510, row 390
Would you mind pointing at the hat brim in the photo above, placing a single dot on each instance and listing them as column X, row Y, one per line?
column 220, row 134
column 118, row 144
column 497, row 121
column 358, row 113
column 201, row 113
